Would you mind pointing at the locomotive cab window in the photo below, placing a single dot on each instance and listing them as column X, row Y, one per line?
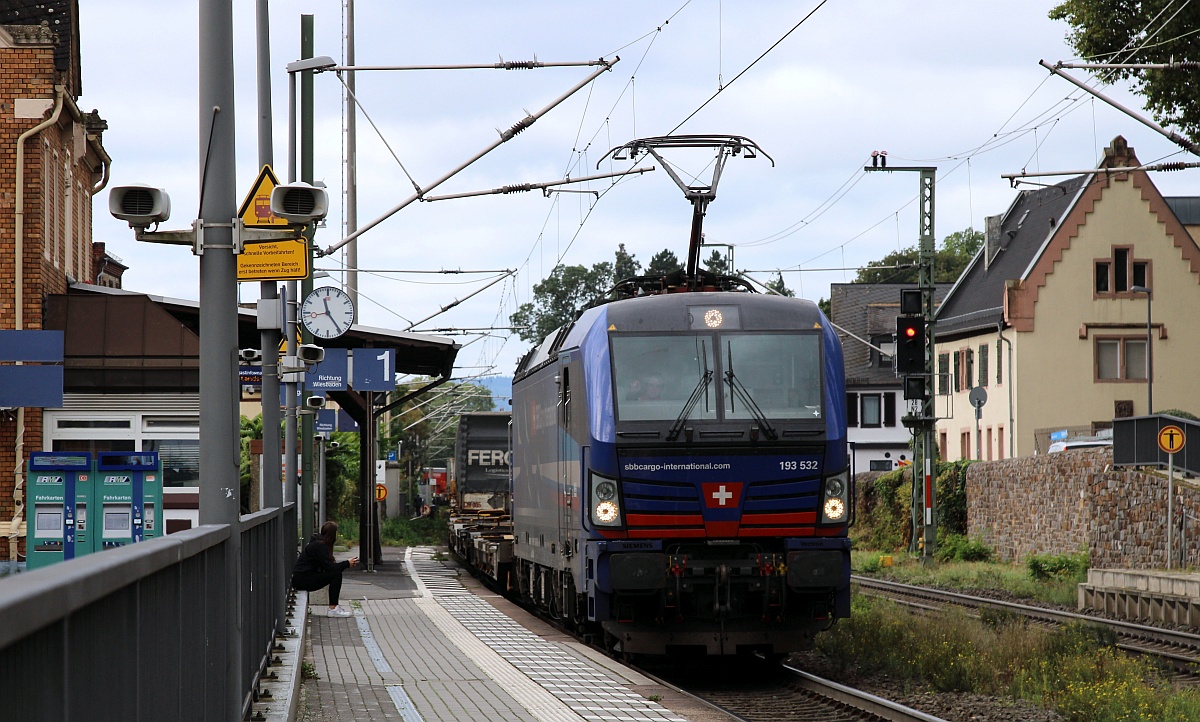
column 779, row 372
column 654, row 376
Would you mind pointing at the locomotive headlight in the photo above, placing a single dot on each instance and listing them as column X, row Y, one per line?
column 606, row 512
column 605, row 502
column 835, row 509
column 836, row 504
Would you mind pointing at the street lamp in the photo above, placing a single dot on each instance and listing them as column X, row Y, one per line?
column 1149, row 351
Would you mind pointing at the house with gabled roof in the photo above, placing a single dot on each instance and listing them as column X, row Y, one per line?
column 1079, row 308
column 864, row 315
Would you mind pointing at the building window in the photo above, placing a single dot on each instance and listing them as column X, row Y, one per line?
column 1000, row 442
column 989, row 443
column 886, row 342
column 889, row 410
column 983, row 364
column 942, row 444
column 872, row 411
column 1120, row 359
column 881, row 464
column 1120, row 272
column 964, row 445
column 851, row 410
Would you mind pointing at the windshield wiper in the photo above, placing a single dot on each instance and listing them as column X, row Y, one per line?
column 700, row 390
column 735, row 385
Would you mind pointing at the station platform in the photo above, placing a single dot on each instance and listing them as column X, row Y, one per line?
column 428, row 643
column 1139, row 595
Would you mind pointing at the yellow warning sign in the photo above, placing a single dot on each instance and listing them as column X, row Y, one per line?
column 380, row 492
column 1171, row 439
column 288, row 260
column 255, row 211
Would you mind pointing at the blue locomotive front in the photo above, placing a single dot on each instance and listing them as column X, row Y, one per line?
column 680, row 476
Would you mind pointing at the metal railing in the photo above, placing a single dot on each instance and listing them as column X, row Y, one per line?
column 138, row 632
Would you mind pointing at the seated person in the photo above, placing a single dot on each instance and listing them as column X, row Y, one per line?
column 315, row 568
column 650, row 389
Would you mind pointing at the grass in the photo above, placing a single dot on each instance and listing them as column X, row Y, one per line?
column 1074, row 670
column 1019, row 580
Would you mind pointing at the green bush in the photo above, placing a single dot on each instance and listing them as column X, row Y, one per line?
column 951, row 487
column 883, row 520
column 1058, row 567
column 959, row 548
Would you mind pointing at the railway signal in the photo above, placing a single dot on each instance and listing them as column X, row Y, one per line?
column 910, row 346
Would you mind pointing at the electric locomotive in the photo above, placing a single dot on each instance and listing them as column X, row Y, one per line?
column 680, row 476
column 680, row 479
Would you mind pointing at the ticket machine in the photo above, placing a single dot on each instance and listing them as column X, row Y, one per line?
column 58, row 498
column 128, row 497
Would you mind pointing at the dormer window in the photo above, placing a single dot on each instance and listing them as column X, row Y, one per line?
column 887, row 343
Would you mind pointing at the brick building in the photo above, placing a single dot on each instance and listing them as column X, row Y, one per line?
column 52, row 161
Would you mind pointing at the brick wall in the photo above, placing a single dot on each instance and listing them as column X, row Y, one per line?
column 27, row 72
column 1062, row 503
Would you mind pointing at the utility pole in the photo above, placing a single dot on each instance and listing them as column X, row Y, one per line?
column 220, row 490
column 272, row 472
column 919, row 387
column 306, row 174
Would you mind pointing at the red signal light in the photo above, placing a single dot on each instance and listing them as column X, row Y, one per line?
column 910, row 331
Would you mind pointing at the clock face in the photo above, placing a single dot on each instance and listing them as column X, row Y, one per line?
column 327, row 312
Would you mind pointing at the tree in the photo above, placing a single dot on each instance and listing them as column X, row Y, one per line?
column 718, row 264
column 957, row 250
column 626, row 265
column 341, row 477
column 558, row 298
column 778, row 286
column 662, row 263
column 251, row 428
column 1102, row 30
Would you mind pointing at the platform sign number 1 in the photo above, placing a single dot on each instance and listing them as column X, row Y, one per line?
column 373, row 370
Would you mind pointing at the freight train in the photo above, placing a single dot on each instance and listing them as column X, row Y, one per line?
column 680, row 478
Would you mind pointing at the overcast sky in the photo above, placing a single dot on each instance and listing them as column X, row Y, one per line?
column 955, row 85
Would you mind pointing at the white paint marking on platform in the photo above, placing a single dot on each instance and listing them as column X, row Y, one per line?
column 404, row 705
column 372, row 647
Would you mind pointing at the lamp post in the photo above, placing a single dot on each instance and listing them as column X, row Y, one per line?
column 1149, row 350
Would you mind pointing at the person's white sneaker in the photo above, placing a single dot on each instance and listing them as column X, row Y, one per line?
column 340, row 611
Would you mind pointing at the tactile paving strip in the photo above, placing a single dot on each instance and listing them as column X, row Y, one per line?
column 589, row 692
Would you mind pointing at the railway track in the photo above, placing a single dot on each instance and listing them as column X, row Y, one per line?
column 782, row 693
column 1178, row 650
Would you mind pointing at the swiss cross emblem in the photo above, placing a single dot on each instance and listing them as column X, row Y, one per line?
column 722, row 495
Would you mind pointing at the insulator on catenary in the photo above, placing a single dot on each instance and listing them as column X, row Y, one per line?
column 519, row 126
column 1179, row 165
column 518, row 188
column 519, row 65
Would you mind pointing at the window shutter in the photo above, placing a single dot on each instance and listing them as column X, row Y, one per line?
column 943, row 382
column 851, row 409
column 958, row 371
column 983, row 364
column 889, row 409
column 999, row 363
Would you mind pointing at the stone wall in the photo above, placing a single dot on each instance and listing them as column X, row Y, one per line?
column 1065, row 502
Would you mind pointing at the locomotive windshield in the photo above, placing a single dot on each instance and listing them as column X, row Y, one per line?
column 654, row 376
column 778, row 372
column 777, row 375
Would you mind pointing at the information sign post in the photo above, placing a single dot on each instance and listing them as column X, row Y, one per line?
column 1171, row 439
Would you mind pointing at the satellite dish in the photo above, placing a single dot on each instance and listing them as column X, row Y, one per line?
column 978, row 397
